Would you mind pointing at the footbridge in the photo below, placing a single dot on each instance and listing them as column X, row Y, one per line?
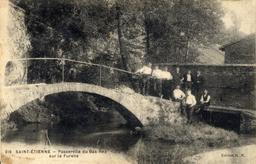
column 136, row 105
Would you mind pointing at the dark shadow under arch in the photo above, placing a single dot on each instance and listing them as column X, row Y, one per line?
column 131, row 119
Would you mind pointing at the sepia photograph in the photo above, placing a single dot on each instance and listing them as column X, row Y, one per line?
column 128, row 81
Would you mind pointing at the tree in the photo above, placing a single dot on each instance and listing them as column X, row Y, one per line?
column 129, row 31
column 175, row 26
column 120, row 36
column 70, row 26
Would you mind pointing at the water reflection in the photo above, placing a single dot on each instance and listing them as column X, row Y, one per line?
column 115, row 138
column 108, row 136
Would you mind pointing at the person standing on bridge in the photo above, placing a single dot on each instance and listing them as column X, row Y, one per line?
column 166, row 83
column 157, row 75
column 145, row 73
column 190, row 102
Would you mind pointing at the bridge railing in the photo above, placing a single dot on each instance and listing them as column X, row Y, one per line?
column 229, row 85
column 56, row 70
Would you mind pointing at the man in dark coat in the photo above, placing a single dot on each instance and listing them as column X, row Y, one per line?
column 166, row 83
column 205, row 101
column 198, row 83
column 177, row 76
column 145, row 74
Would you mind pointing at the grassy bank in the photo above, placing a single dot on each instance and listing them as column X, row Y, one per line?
column 189, row 133
column 172, row 127
column 170, row 139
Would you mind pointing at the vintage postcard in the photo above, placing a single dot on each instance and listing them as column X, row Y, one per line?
column 128, row 81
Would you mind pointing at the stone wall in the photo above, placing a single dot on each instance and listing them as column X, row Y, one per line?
column 19, row 45
column 230, row 85
column 3, row 45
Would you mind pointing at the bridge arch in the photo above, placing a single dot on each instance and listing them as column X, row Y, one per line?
column 131, row 119
column 133, row 105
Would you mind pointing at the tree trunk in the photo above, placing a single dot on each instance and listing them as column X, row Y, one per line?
column 187, row 51
column 120, row 40
column 146, row 28
column 147, row 40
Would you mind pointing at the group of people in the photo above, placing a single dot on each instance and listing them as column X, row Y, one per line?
column 155, row 82
column 176, row 86
column 189, row 104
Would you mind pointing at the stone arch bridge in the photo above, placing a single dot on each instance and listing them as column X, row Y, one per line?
column 136, row 105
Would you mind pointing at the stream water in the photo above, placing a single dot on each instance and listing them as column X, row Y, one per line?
column 113, row 137
column 107, row 136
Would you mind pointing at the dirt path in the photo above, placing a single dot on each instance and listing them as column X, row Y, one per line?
column 236, row 155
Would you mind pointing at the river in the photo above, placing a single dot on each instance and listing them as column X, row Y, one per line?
column 78, row 127
column 107, row 136
column 113, row 137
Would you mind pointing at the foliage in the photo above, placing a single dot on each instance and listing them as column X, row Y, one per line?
column 177, row 27
column 127, row 31
column 66, row 25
